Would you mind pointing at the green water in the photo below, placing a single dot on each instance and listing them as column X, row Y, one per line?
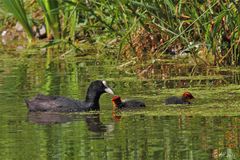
column 207, row 129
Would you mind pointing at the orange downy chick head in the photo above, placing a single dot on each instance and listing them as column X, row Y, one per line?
column 188, row 95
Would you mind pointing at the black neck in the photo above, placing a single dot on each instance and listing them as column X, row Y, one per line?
column 184, row 99
column 119, row 104
column 93, row 98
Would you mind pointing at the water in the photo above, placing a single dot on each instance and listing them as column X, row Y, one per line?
column 208, row 129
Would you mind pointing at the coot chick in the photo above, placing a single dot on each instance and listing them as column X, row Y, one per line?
column 63, row 104
column 118, row 103
column 185, row 99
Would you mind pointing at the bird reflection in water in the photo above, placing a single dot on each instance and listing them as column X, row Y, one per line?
column 116, row 111
column 92, row 120
column 48, row 117
column 116, row 114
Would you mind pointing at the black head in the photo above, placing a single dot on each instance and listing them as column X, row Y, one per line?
column 100, row 87
column 95, row 90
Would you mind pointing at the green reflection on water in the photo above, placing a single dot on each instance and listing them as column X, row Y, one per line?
column 206, row 129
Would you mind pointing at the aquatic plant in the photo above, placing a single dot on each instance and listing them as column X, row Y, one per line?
column 147, row 29
column 182, row 27
column 70, row 19
column 52, row 20
column 16, row 7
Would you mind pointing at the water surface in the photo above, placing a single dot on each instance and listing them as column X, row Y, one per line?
column 207, row 129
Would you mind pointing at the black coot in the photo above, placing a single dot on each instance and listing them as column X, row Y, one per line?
column 63, row 104
column 185, row 99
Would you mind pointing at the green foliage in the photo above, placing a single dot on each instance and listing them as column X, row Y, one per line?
column 16, row 7
column 210, row 24
column 51, row 13
column 70, row 19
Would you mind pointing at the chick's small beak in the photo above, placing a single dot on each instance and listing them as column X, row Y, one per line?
column 109, row 90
